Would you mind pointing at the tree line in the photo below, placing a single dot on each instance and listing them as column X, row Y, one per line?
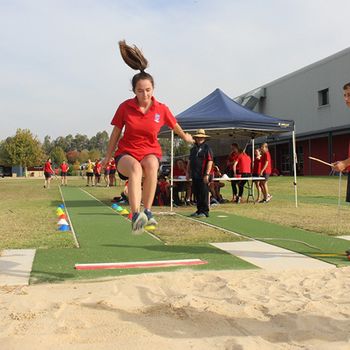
column 26, row 150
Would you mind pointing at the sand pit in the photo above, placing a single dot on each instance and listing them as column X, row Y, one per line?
column 182, row 310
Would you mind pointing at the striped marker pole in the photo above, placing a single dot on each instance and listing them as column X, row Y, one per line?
column 139, row 264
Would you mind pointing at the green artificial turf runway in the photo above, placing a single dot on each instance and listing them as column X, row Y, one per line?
column 330, row 249
column 104, row 236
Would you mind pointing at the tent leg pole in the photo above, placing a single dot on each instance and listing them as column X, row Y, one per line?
column 172, row 171
column 295, row 169
column 253, row 159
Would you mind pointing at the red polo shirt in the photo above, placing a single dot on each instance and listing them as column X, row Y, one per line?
column 113, row 165
column 266, row 157
column 64, row 167
column 141, row 130
column 48, row 168
column 257, row 166
column 244, row 163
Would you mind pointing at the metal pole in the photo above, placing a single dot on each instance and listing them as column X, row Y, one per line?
column 171, row 170
column 253, row 160
column 295, row 168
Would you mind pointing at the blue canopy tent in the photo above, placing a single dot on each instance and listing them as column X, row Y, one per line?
column 220, row 116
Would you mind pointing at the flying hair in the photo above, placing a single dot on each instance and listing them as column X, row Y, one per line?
column 133, row 56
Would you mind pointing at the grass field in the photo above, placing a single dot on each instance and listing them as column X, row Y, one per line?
column 104, row 236
column 28, row 220
column 27, row 214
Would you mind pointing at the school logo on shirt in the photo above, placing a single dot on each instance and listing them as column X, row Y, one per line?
column 157, row 117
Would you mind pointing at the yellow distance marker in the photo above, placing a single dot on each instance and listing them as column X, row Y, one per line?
column 150, row 228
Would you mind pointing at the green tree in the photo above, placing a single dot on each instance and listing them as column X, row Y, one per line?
column 62, row 143
column 76, row 168
column 83, row 156
column 181, row 148
column 80, row 142
column 23, row 149
column 47, row 144
column 69, row 143
column 58, row 155
column 72, row 156
column 94, row 154
column 165, row 144
column 102, row 139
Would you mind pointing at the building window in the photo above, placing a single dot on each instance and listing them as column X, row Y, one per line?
column 323, row 97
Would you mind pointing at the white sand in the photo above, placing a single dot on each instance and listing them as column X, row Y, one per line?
column 182, row 310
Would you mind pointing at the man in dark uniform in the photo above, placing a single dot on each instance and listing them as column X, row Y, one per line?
column 198, row 168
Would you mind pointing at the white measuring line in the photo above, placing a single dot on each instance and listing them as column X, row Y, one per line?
column 151, row 234
column 70, row 222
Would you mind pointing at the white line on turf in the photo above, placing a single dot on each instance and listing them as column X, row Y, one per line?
column 69, row 220
column 152, row 235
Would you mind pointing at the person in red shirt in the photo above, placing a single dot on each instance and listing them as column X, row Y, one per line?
column 107, row 172
column 241, row 168
column 97, row 172
column 48, row 172
column 257, row 171
column 139, row 151
column 112, row 171
column 229, row 163
column 64, row 170
column 266, row 167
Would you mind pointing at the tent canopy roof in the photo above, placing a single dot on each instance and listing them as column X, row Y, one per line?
column 220, row 116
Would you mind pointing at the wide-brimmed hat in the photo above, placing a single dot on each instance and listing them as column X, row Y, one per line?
column 201, row 133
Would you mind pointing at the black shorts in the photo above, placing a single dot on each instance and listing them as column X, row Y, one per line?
column 266, row 176
column 107, row 172
column 112, row 171
column 47, row 175
column 89, row 174
column 97, row 175
column 63, row 173
column 117, row 159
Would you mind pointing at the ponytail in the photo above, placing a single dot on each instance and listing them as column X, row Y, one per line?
column 135, row 59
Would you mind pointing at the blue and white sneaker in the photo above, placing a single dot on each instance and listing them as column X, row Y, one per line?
column 151, row 221
column 138, row 223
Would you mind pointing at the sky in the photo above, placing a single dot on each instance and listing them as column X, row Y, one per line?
column 61, row 72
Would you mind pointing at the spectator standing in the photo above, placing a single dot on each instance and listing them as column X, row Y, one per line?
column 242, row 168
column 89, row 173
column 266, row 167
column 257, row 171
column 48, row 172
column 199, row 168
column 97, row 171
column 64, row 171
column 112, row 171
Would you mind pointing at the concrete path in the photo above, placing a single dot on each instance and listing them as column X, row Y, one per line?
column 270, row 257
column 15, row 266
column 344, row 237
